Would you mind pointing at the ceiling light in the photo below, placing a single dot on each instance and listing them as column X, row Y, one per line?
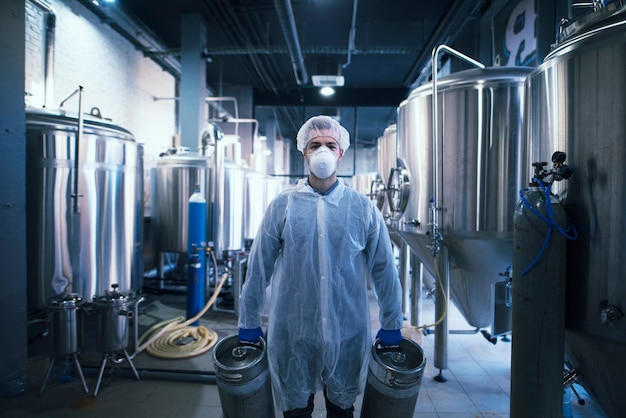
column 327, row 91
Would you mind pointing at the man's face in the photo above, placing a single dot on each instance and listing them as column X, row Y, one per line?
column 327, row 141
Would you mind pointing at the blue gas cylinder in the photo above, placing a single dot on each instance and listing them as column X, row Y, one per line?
column 196, row 235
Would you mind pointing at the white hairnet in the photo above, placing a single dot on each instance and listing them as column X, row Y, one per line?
column 322, row 126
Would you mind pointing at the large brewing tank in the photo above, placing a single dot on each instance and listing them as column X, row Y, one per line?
column 83, row 235
column 478, row 173
column 576, row 102
column 260, row 190
column 173, row 181
column 387, row 162
column 228, row 206
column 387, row 152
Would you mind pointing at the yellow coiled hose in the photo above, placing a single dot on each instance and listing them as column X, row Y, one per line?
column 163, row 340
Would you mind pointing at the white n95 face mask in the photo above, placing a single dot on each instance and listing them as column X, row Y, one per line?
column 323, row 163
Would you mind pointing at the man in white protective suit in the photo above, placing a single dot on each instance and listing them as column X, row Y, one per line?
column 317, row 245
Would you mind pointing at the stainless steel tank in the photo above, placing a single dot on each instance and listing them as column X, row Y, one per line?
column 81, row 234
column 386, row 164
column 173, row 180
column 387, row 152
column 476, row 176
column 66, row 324
column 260, row 190
column 576, row 104
column 115, row 311
column 229, row 204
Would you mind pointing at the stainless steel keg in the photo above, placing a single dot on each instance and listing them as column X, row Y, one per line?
column 115, row 310
column 243, row 378
column 393, row 380
column 65, row 324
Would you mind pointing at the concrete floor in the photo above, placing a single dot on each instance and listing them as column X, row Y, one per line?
column 478, row 378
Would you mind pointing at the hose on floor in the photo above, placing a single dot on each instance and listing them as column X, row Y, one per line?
column 175, row 338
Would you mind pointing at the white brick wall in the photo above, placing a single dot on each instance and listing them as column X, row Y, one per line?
column 117, row 78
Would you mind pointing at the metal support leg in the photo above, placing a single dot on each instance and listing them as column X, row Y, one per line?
column 442, row 301
column 132, row 366
column 102, row 366
column 79, row 370
column 45, row 380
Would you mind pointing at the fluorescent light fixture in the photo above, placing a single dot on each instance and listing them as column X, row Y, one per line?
column 328, row 80
column 327, row 91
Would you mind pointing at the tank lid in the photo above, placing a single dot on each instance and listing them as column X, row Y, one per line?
column 92, row 120
column 471, row 78
column 182, row 156
column 64, row 301
column 114, row 297
column 612, row 12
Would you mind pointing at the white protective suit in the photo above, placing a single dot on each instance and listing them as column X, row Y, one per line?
column 317, row 252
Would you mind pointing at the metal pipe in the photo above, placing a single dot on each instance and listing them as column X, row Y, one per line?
column 352, row 35
column 288, row 25
column 435, row 119
column 175, row 374
column 79, row 133
column 51, row 19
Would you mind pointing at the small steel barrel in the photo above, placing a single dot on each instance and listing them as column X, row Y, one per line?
column 243, row 378
column 393, row 380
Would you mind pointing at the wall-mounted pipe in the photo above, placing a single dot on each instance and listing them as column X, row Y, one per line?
column 288, row 25
column 50, row 18
column 352, row 36
column 447, row 30
column 138, row 35
column 79, row 134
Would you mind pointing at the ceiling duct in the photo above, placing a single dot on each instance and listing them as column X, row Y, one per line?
column 288, row 26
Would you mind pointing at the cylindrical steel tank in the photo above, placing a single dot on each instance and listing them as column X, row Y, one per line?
column 228, row 206
column 115, row 310
column 576, row 102
column 479, row 172
column 66, row 324
column 393, row 380
column 243, row 379
column 81, row 235
column 173, row 182
column 387, row 152
column 260, row 190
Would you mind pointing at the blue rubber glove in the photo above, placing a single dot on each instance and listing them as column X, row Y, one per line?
column 250, row 335
column 389, row 337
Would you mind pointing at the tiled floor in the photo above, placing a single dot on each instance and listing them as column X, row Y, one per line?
column 478, row 376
